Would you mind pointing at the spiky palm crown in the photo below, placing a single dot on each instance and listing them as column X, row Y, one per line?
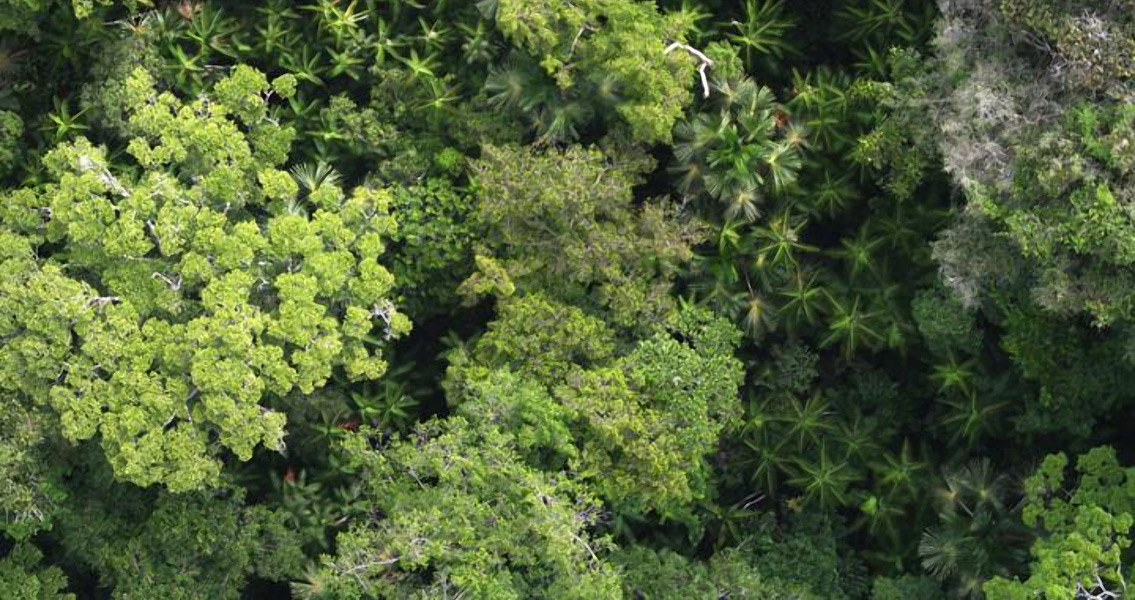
column 976, row 538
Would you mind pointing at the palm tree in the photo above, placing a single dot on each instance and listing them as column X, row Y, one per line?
column 511, row 85
column 759, row 315
column 875, row 20
column 969, row 417
column 557, row 121
column 763, row 32
column 693, row 12
column 763, row 435
column 805, row 298
column 733, row 164
column 782, row 159
column 808, row 421
column 852, row 328
column 715, row 285
column 477, row 46
column 434, row 35
column 858, row 253
column 900, row 475
column 345, row 62
column 342, row 21
column 977, row 536
column 821, row 102
column 954, row 376
column 903, row 227
column 214, row 32
column 307, row 66
column 880, row 516
column 729, row 525
column 62, row 123
column 311, row 176
column 392, row 403
column 832, row 196
column 779, row 241
column 824, row 480
column 384, row 43
column 277, row 33
column 859, row 436
column 421, row 67
column 739, row 154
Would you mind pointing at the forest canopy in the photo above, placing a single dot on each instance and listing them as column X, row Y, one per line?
column 587, row 299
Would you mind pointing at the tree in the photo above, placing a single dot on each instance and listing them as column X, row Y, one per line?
column 944, row 323
column 614, row 50
column 907, row 586
column 21, row 15
column 23, row 579
column 32, row 480
column 736, row 149
column 730, row 573
column 11, row 128
column 431, row 250
column 1084, row 525
column 636, row 426
column 1037, row 147
column 1091, row 42
column 975, row 539
column 565, row 223
column 157, row 310
column 453, row 510
column 188, row 546
column 583, row 204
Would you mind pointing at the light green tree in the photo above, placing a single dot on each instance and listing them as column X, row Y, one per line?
column 155, row 307
column 1084, row 526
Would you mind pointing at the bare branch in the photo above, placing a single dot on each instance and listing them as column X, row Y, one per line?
column 704, row 62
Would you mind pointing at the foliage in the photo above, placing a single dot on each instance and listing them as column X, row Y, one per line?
column 197, row 298
column 975, row 540
column 32, row 486
column 22, row 580
column 431, row 249
column 196, row 545
column 729, row 574
column 1086, row 529
column 739, row 153
column 637, row 426
column 611, row 50
column 462, row 514
column 1089, row 40
column 907, row 586
column 945, row 323
column 1077, row 167
column 11, row 128
column 566, row 223
column 1083, row 388
column 755, row 299
column 22, row 15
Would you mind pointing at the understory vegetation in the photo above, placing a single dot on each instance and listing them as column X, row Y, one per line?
column 587, row 299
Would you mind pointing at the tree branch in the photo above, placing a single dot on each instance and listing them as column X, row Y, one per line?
column 704, row 61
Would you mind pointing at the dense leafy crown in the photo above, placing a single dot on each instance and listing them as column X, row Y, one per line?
column 158, row 308
column 638, row 426
column 1087, row 529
